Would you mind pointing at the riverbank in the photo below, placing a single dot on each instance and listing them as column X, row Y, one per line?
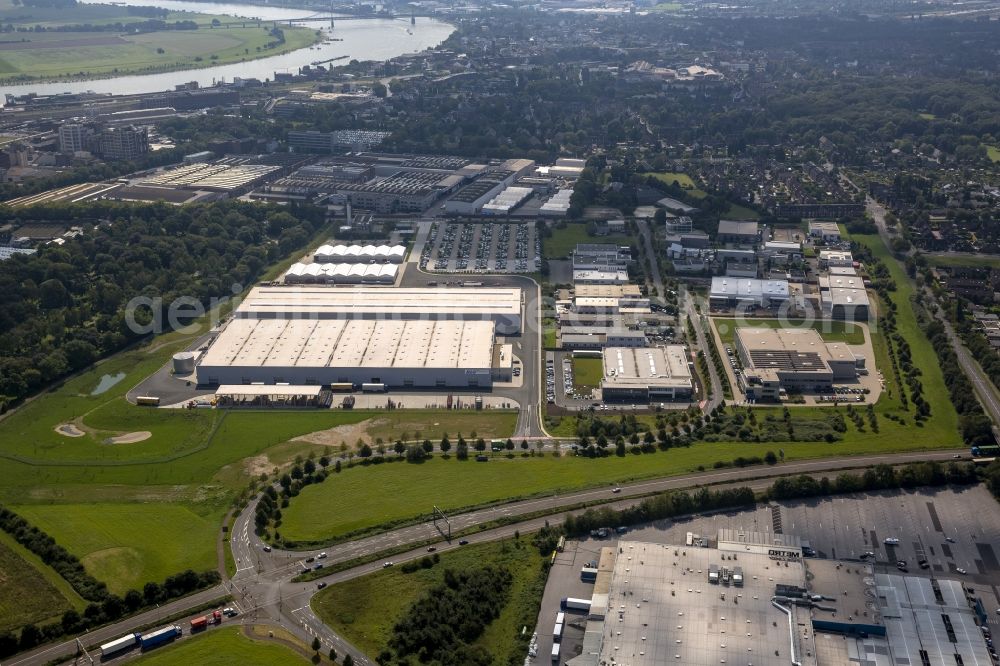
column 107, row 48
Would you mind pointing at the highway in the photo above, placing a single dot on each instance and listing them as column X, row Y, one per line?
column 264, row 592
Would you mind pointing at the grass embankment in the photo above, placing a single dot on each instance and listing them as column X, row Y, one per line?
column 67, row 54
column 29, row 590
column 944, row 261
column 222, row 647
column 562, row 241
column 364, row 610
column 674, row 177
column 830, row 331
column 993, row 152
column 738, row 212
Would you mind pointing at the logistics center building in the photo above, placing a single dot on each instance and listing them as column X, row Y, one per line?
column 646, row 374
column 793, row 360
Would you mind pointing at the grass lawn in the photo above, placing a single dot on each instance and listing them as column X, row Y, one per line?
column 669, row 177
column 993, row 152
column 737, row 212
column 434, row 423
column 221, row 647
column 587, row 372
column 926, row 116
column 830, row 331
column 128, row 545
column 28, row 592
column 356, row 499
column 972, row 262
column 562, row 241
column 364, row 610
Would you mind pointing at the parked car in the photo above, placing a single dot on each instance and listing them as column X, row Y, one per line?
column 320, row 586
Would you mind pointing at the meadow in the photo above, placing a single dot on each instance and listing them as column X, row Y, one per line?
column 587, row 373
column 993, row 152
column 221, row 647
column 562, row 241
column 26, row 592
column 364, row 610
column 71, row 54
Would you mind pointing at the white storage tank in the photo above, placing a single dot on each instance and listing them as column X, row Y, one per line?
column 184, row 363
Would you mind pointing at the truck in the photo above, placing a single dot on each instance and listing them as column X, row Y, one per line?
column 199, row 623
column 588, row 574
column 560, row 618
column 556, row 649
column 557, row 633
column 119, row 645
column 569, row 603
column 373, row 387
column 160, row 636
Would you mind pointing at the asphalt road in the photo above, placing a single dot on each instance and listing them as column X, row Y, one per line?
column 263, row 590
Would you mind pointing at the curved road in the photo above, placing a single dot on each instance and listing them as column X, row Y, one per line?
column 264, row 592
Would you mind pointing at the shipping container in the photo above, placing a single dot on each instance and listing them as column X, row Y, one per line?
column 199, row 623
column 147, row 401
column 119, row 645
column 342, row 387
column 373, row 387
column 557, row 633
column 560, row 617
column 569, row 603
column 588, row 574
column 556, row 648
column 160, row 636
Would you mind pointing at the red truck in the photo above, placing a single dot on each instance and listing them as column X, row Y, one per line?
column 205, row 620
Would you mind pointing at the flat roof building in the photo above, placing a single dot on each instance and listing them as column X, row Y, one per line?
column 734, row 231
column 646, row 374
column 600, row 256
column 727, row 292
column 849, row 302
column 406, row 354
column 610, row 276
column 791, row 359
column 828, row 232
column 835, row 258
column 502, row 306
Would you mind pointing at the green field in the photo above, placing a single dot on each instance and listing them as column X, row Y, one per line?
column 365, row 609
column 984, row 261
column 81, row 54
column 670, row 177
column 993, row 152
column 126, row 545
column 587, row 372
column 737, row 212
column 29, row 590
column 222, row 647
column 831, row 331
column 926, row 116
column 562, row 241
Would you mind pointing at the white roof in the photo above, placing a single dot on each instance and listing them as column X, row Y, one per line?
column 271, row 390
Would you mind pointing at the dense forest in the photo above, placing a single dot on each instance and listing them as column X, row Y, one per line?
column 64, row 307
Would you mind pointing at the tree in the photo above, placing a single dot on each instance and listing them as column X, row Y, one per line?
column 770, row 458
column 348, row 660
column 366, row 451
column 379, row 90
column 399, row 448
column 445, row 445
column 480, row 444
column 316, row 645
column 428, row 447
column 462, row 452
column 333, row 654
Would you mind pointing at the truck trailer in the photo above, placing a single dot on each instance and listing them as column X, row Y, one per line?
column 119, row 645
column 569, row 603
column 160, row 636
column 199, row 623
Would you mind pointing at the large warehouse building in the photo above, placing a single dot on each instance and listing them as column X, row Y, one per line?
column 502, row 306
column 793, row 360
column 644, row 374
column 330, row 351
column 748, row 292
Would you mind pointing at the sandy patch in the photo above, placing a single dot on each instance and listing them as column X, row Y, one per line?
column 257, row 465
column 69, row 430
column 349, row 433
column 131, row 437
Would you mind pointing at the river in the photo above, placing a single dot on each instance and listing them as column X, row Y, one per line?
column 376, row 39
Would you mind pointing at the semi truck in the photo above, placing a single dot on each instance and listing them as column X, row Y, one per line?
column 569, row 603
column 160, row 636
column 373, row 387
column 119, row 645
column 205, row 620
column 588, row 574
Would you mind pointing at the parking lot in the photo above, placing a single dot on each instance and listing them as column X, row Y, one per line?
column 487, row 247
column 952, row 529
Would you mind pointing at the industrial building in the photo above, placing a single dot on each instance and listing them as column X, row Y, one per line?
column 754, row 598
column 748, row 292
column 342, row 273
column 784, row 360
column 830, row 258
column 398, row 354
column 828, row 232
column 741, row 233
column 605, row 276
column 598, row 337
column 646, row 374
column 844, row 297
column 502, row 306
column 359, row 253
column 600, row 256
